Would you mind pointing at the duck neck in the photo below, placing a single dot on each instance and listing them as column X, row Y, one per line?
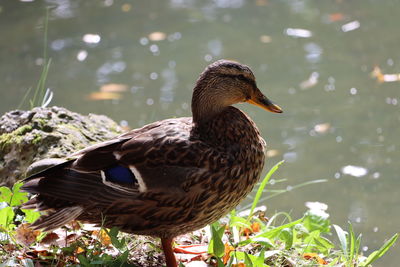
column 205, row 106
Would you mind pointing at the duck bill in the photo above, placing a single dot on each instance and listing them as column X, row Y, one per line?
column 264, row 103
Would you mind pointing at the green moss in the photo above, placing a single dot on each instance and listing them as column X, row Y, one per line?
column 22, row 130
column 36, row 139
column 14, row 137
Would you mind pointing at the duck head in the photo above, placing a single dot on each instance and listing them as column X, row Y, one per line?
column 224, row 83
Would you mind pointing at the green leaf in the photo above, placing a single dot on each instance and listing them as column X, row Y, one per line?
column 323, row 243
column 379, row 253
column 342, row 235
column 113, row 234
column 5, row 194
column 220, row 263
column 216, row 246
column 30, row 215
column 250, row 260
column 261, row 188
column 263, row 241
column 247, row 260
column 259, row 262
column 239, row 222
column 6, row 217
column 18, row 197
column 286, row 236
column 82, row 259
column 314, row 222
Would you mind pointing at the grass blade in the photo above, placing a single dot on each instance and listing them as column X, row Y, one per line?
column 261, row 188
column 352, row 245
column 279, row 192
column 379, row 253
column 40, row 87
column 48, row 96
column 342, row 238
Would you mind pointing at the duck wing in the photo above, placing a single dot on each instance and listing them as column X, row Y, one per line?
column 118, row 177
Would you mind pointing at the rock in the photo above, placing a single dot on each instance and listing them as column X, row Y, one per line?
column 55, row 132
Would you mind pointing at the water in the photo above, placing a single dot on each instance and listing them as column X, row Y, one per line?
column 313, row 58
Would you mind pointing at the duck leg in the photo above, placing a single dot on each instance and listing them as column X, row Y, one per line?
column 170, row 259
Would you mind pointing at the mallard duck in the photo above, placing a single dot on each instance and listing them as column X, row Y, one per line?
column 169, row 177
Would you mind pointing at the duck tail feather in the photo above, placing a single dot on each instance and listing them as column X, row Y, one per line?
column 58, row 218
column 31, row 186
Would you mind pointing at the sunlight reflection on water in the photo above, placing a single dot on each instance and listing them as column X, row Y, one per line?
column 333, row 66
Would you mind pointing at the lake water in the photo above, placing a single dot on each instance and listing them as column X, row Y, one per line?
column 331, row 65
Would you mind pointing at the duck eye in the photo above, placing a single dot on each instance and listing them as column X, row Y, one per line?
column 241, row 77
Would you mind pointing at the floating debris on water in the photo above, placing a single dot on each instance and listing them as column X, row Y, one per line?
column 311, row 81
column 126, row 7
column 336, row 17
column 157, row 36
column 322, row 127
column 298, row 33
column 356, row 171
column 104, row 96
column 380, row 77
column 265, row 39
column 351, row 26
column 114, row 87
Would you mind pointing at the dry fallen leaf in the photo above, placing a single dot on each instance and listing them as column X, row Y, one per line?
column 79, row 250
column 228, row 250
column 309, row 256
column 50, row 238
column 157, row 36
column 102, row 236
column 26, row 235
column 255, row 226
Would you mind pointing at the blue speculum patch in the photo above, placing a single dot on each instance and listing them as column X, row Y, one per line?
column 119, row 174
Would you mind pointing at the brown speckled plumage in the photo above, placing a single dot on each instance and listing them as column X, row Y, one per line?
column 188, row 172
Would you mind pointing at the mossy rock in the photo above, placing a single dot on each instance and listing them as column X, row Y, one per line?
column 55, row 132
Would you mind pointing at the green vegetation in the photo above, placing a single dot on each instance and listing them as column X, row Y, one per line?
column 42, row 96
column 237, row 240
